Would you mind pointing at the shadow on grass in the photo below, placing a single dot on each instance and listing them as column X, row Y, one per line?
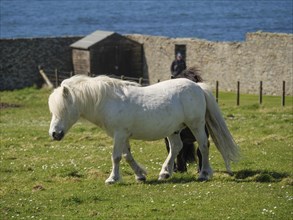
column 262, row 176
column 246, row 175
column 174, row 179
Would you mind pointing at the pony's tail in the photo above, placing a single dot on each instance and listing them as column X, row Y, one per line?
column 219, row 130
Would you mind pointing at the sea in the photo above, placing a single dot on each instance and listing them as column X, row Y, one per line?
column 214, row 20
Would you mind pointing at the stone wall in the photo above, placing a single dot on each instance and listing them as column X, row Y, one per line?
column 266, row 57
column 263, row 57
column 19, row 59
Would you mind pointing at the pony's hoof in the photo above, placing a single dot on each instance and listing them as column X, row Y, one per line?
column 230, row 173
column 200, row 179
column 204, row 176
column 110, row 181
column 164, row 176
column 141, row 179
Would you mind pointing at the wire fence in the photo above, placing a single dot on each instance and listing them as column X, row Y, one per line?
column 260, row 97
column 54, row 78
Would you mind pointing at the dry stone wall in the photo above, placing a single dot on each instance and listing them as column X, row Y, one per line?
column 266, row 57
column 263, row 57
column 19, row 59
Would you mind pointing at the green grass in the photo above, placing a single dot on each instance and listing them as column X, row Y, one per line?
column 43, row 179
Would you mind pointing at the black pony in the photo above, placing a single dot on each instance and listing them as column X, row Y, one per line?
column 187, row 153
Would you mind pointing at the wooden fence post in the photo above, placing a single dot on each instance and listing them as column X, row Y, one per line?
column 260, row 92
column 238, row 93
column 140, row 80
column 56, row 78
column 284, row 93
column 43, row 74
column 217, row 91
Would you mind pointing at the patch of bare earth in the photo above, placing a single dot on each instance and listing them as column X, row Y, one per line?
column 4, row 105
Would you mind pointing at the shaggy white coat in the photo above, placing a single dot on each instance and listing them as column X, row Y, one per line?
column 125, row 110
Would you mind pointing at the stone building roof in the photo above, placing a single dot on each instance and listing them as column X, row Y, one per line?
column 92, row 39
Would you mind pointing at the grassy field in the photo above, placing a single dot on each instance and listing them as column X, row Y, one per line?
column 43, row 179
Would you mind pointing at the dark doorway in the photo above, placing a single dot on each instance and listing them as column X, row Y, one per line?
column 180, row 48
column 114, row 60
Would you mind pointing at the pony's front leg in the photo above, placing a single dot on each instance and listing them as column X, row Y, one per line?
column 175, row 147
column 119, row 143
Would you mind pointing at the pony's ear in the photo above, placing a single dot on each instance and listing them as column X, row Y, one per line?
column 66, row 92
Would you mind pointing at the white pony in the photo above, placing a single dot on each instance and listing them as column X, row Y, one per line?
column 125, row 110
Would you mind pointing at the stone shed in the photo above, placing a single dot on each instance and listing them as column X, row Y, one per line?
column 104, row 52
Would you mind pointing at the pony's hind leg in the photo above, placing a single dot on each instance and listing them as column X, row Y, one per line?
column 140, row 173
column 175, row 147
column 200, row 157
column 168, row 150
column 206, row 171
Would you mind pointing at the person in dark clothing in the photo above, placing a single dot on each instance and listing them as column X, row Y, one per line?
column 178, row 65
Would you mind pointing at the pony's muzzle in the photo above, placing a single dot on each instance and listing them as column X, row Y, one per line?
column 57, row 135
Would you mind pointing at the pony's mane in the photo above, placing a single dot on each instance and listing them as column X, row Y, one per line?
column 88, row 89
column 57, row 102
column 193, row 73
column 82, row 80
